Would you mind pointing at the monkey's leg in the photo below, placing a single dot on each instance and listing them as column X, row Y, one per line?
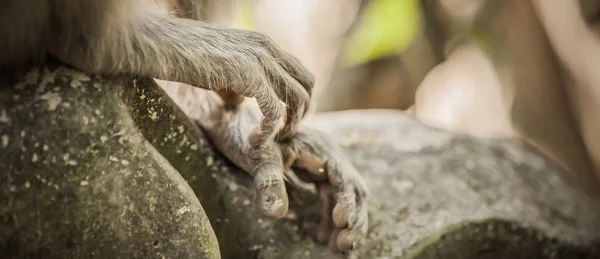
column 315, row 158
column 122, row 37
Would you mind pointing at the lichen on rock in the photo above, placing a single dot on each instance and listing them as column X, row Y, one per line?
column 78, row 179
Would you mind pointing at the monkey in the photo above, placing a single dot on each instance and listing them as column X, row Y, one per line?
column 306, row 158
column 125, row 37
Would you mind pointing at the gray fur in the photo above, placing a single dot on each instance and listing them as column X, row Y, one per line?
column 128, row 37
column 226, row 127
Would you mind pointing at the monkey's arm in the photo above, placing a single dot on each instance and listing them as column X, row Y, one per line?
column 127, row 37
column 308, row 156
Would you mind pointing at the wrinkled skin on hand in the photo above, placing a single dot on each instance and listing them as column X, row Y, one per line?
column 307, row 160
column 313, row 158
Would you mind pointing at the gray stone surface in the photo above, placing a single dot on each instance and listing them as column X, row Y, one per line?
column 433, row 195
column 474, row 194
column 78, row 180
column 90, row 167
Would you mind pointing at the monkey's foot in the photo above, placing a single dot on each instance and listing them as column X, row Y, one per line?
column 315, row 159
column 307, row 157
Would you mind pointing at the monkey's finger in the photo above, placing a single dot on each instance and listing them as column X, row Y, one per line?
column 298, row 71
column 350, row 212
column 313, row 152
column 230, row 98
column 272, row 196
column 326, row 225
column 285, row 88
column 294, row 114
column 353, row 226
column 292, row 94
column 292, row 66
column 353, row 217
column 341, row 213
column 346, row 208
column 273, row 112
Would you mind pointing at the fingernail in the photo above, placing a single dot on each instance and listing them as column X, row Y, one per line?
column 274, row 201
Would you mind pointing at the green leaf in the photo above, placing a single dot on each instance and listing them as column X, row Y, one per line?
column 387, row 27
column 244, row 18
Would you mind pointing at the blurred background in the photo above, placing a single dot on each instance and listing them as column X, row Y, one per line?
column 514, row 69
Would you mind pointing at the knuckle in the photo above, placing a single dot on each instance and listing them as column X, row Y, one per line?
column 309, row 77
column 260, row 39
column 265, row 40
column 262, row 57
column 300, row 93
column 305, row 97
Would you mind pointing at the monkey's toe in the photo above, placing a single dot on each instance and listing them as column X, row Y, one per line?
column 274, row 201
column 341, row 213
column 346, row 240
column 272, row 195
column 350, row 217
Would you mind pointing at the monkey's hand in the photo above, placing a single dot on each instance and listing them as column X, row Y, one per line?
column 250, row 64
column 187, row 51
column 306, row 156
column 314, row 158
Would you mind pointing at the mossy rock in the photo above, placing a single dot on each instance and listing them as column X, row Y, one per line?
column 79, row 180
